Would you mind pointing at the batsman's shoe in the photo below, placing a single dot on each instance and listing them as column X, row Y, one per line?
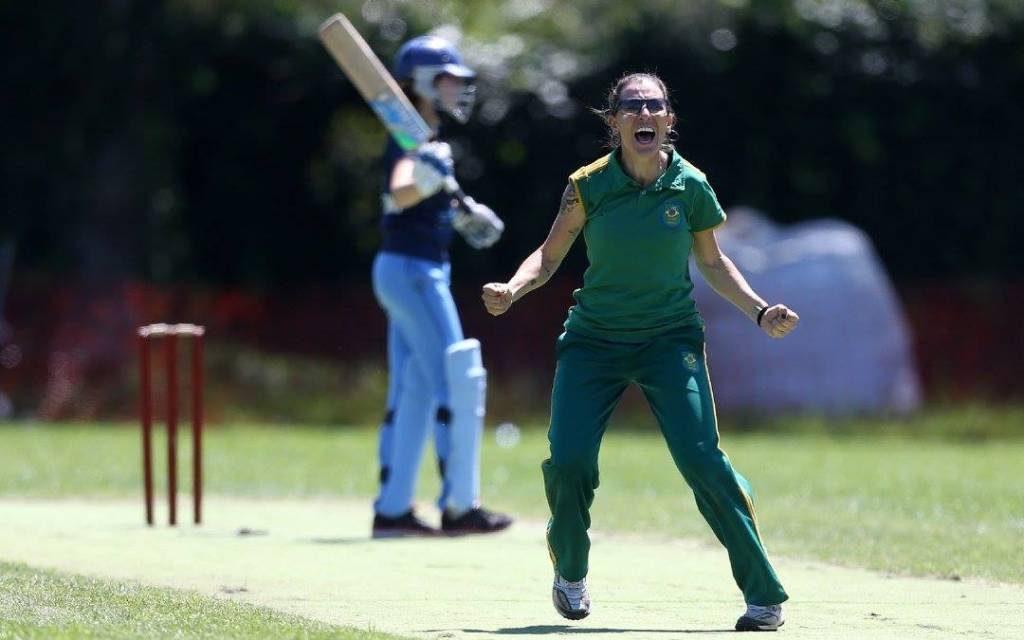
column 476, row 520
column 572, row 600
column 758, row 618
column 404, row 526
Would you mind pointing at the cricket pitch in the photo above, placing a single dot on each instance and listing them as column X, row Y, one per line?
column 314, row 558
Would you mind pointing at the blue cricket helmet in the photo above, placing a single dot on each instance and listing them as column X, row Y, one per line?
column 433, row 52
column 424, row 58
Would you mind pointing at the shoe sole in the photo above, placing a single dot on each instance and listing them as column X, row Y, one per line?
column 402, row 533
column 470, row 532
column 749, row 624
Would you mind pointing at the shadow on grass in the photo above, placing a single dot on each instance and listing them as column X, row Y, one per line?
column 546, row 629
column 370, row 540
column 352, row 540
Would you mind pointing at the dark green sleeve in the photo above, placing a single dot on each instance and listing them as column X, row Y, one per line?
column 705, row 212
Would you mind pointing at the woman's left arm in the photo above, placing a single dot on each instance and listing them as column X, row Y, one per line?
column 723, row 276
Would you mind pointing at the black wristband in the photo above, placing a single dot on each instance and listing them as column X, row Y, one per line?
column 760, row 314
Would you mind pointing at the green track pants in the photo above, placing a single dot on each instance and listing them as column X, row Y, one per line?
column 590, row 377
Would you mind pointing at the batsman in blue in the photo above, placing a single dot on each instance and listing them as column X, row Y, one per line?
column 436, row 379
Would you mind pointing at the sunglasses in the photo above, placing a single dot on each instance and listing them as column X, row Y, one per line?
column 633, row 106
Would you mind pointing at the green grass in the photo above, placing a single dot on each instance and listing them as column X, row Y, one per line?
column 900, row 503
column 54, row 606
column 967, row 423
column 891, row 504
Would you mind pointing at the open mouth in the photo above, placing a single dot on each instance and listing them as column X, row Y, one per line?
column 644, row 135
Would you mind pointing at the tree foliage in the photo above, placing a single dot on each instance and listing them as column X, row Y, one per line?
column 216, row 141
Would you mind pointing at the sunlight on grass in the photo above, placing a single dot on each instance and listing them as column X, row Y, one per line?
column 54, row 606
column 886, row 501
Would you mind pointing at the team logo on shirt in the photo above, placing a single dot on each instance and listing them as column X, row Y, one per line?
column 690, row 361
column 673, row 215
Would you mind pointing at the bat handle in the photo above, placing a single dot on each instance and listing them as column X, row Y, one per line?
column 452, row 188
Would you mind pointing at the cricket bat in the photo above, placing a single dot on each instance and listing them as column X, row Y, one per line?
column 379, row 89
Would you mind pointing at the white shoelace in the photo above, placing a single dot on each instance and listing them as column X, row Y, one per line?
column 573, row 590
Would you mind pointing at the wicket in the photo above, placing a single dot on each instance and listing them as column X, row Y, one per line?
column 169, row 333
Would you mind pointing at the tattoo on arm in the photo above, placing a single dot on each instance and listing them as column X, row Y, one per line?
column 548, row 265
column 569, row 199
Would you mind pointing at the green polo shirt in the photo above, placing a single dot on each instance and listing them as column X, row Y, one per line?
column 638, row 243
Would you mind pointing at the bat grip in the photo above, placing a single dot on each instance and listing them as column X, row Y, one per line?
column 452, row 188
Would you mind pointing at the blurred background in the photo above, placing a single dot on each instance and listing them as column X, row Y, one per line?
column 206, row 161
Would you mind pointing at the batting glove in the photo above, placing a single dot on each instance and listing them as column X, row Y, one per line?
column 432, row 166
column 480, row 227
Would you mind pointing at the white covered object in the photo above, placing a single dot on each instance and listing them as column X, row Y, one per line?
column 851, row 352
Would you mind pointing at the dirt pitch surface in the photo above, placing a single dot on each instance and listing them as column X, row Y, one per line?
column 314, row 558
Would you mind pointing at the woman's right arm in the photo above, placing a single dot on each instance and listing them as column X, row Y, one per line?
column 540, row 265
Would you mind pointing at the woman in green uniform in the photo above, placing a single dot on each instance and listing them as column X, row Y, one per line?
column 643, row 210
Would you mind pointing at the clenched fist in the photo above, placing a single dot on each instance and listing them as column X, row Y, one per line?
column 497, row 298
column 778, row 320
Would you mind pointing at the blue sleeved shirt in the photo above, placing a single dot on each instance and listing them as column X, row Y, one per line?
column 422, row 231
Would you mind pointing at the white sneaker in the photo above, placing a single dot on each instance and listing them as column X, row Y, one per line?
column 572, row 600
column 758, row 618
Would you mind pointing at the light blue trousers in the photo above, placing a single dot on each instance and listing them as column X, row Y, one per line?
column 422, row 324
